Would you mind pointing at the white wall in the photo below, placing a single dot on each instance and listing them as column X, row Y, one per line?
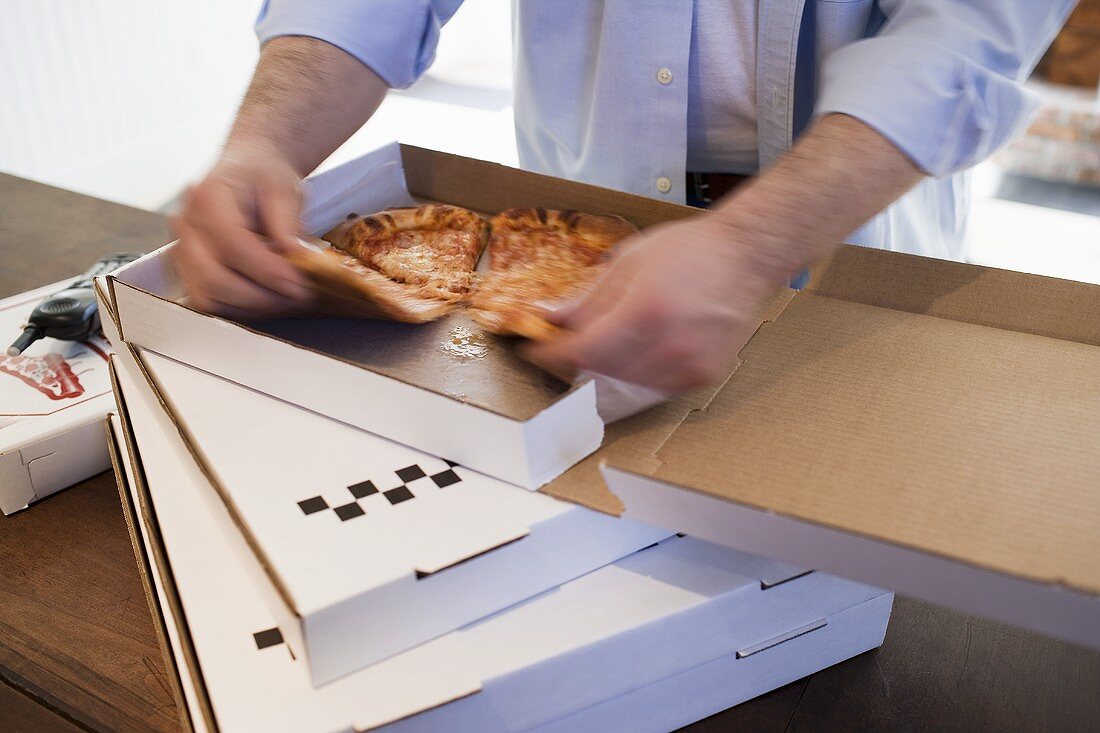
column 123, row 99
column 129, row 100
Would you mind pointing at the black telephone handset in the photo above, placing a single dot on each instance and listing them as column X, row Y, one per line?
column 70, row 314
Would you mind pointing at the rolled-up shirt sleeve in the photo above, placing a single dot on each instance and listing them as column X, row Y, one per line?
column 396, row 39
column 941, row 80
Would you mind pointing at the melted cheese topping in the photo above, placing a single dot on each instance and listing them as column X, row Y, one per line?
column 441, row 261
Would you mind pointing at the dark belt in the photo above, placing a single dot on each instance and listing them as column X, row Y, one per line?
column 706, row 188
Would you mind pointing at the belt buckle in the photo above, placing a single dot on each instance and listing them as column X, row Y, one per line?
column 699, row 187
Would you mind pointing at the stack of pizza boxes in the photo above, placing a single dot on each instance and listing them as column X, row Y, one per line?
column 351, row 524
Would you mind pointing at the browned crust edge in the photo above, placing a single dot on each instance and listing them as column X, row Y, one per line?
column 365, row 293
column 605, row 229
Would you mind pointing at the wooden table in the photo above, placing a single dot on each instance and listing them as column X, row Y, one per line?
column 78, row 651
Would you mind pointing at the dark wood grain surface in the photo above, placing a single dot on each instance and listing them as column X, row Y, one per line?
column 76, row 638
column 47, row 234
column 78, row 650
column 20, row 712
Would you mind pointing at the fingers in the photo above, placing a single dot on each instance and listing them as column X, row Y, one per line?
column 214, row 214
column 612, row 288
column 214, row 287
column 673, row 365
column 626, row 344
column 608, row 344
column 278, row 208
column 633, row 327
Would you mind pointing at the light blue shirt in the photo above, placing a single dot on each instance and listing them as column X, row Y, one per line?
column 939, row 78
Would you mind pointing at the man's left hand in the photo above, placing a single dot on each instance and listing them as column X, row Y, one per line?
column 671, row 313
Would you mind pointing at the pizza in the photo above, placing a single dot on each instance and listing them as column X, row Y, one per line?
column 408, row 264
column 539, row 256
column 417, row 264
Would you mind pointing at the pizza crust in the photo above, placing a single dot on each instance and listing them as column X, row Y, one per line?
column 433, row 247
column 347, row 288
column 538, row 257
column 417, row 264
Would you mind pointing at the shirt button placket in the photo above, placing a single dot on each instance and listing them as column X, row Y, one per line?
column 664, row 77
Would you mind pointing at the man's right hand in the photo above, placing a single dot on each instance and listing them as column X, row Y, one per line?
column 232, row 226
column 246, row 211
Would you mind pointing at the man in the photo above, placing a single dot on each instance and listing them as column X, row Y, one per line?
column 841, row 106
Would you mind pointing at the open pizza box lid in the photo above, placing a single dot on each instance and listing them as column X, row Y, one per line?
column 480, row 405
column 666, row 636
column 927, row 426
column 369, row 547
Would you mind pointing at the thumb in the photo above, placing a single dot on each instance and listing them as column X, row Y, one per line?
column 558, row 312
column 278, row 209
column 600, row 297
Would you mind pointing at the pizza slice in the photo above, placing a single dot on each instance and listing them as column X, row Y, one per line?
column 538, row 256
column 409, row 264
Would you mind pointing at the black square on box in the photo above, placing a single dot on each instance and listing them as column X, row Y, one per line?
column 445, row 478
column 314, row 505
column 362, row 489
column 268, row 637
column 410, row 473
column 349, row 511
column 452, row 464
column 398, row 495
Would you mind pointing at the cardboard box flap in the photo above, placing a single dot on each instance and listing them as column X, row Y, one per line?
column 492, row 187
column 1015, row 301
column 960, row 440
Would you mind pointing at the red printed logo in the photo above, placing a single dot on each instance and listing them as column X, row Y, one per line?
column 50, row 374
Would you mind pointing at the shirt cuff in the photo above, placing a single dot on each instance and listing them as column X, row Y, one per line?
column 942, row 110
column 395, row 39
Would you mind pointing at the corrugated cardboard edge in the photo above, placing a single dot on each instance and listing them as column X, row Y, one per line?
column 107, row 319
column 643, row 435
column 223, row 494
column 133, row 515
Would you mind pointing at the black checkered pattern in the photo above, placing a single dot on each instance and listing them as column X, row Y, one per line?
column 268, row 637
column 364, row 490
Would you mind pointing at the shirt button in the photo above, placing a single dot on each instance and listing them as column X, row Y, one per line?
column 664, row 76
column 664, row 185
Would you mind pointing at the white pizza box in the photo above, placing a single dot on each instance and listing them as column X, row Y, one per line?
column 483, row 407
column 371, row 547
column 150, row 557
column 928, row 426
column 53, row 399
column 666, row 636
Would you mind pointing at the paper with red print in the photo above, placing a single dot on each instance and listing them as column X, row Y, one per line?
column 50, row 375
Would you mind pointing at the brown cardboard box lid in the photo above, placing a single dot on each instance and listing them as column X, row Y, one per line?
column 946, row 408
